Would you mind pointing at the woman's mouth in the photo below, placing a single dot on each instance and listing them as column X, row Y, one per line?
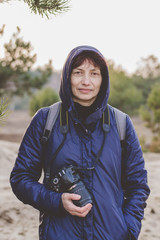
column 84, row 90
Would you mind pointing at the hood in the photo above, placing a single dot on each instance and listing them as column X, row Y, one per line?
column 65, row 88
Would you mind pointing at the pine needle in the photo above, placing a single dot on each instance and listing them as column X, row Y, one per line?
column 46, row 7
column 4, row 111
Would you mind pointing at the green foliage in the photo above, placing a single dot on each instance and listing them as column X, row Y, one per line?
column 155, row 145
column 147, row 79
column 124, row 95
column 18, row 54
column 3, row 109
column 154, row 98
column 16, row 75
column 129, row 93
column 146, row 115
column 154, row 104
column 143, row 144
column 144, row 85
column 43, row 98
column 151, row 113
column 46, row 7
column 147, row 75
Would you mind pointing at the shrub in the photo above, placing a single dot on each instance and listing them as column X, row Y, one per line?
column 43, row 98
column 151, row 112
column 143, row 144
column 4, row 111
column 155, row 145
column 124, row 94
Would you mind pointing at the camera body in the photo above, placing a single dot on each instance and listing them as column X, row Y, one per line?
column 68, row 180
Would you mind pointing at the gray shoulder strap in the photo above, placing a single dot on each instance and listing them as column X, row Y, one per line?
column 121, row 123
column 51, row 119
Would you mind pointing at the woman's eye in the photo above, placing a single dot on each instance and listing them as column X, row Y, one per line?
column 77, row 73
column 95, row 73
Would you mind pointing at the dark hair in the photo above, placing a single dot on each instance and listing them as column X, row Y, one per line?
column 93, row 57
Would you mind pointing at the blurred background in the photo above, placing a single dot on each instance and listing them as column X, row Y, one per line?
column 35, row 39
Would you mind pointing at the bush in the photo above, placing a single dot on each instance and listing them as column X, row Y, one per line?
column 4, row 111
column 146, row 116
column 143, row 144
column 155, row 145
column 124, row 94
column 151, row 113
column 43, row 98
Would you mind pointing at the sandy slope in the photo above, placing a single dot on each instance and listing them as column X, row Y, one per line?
column 17, row 221
column 151, row 222
column 20, row 222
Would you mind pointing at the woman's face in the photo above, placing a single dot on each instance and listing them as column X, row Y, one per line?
column 85, row 83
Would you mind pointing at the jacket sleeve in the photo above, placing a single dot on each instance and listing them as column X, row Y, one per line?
column 28, row 168
column 136, row 188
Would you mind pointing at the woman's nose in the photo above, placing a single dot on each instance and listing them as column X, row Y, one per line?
column 86, row 79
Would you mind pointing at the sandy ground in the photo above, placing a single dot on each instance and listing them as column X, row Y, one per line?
column 20, row 222
column 17, row 221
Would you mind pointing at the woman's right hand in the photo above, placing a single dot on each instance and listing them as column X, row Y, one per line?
column 69, row 206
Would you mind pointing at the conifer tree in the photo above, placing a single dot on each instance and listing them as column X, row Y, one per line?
column 16, row 74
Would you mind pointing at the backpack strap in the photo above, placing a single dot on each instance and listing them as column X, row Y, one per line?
column 51, row 119
column 53, row 113
column 121, row 123
column 121, row 126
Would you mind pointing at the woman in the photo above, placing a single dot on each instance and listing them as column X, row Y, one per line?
column 117, row 186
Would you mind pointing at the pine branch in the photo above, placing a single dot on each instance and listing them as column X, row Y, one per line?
column 4, row 111
column 46, row 7
column 2, row 30
column 4, row 1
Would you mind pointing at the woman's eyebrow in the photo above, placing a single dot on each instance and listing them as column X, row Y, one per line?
column 95, row 69
column 79, row 69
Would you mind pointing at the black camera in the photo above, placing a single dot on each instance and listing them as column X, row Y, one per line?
column 68, row 180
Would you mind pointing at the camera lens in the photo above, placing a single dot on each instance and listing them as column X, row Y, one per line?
column 81, row 190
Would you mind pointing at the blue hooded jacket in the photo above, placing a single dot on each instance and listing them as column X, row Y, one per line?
column 117, row 212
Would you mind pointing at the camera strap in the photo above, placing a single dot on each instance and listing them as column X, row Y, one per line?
column 64, row 128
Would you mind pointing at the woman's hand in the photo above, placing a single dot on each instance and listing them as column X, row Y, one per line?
column 67, row 200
